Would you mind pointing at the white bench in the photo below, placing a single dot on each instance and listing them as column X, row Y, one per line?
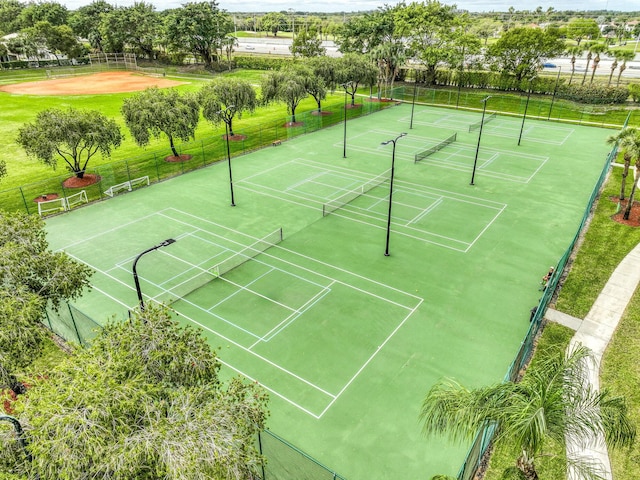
column 128, row 185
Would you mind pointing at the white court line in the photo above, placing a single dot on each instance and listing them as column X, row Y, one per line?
column 424, row 212
column 344, row 388
column 489, row 161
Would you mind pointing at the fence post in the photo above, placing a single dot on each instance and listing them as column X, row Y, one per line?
column 126, row 164
column 24, row 200
column 155, row 162
column 264, row 476
column 74, row 324
column 204, row 160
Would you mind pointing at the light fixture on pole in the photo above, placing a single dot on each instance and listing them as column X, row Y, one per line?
column 346, row 86
column 224, row 113
column 168, row 241
column 475, row 161
column 393, row 163
column 526, row 107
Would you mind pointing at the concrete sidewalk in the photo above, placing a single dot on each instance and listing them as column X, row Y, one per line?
column 595, row 332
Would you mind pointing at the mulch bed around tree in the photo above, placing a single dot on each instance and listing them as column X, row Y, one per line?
column 357, row 105
column 322, row 113
column 234, row 138
column 293, row 124
column 634, row 217
column 46, row 197
column 85, row 181
column 179, row 158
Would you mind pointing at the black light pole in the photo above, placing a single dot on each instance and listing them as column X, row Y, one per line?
column 393, row 163
column 19, row 434
column 168, row 241
column 526, row 107
column 475, row 161
column 555, row 90
column 223, row 113
column 415, row 89
column 460, row 78
column 345, row 85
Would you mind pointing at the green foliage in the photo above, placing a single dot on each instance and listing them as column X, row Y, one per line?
column 198, row 28
column 260, row 62
column 144, row 401
column 634, row 91
column 521, row 51
column 594, row 94
column 580, row 28
column 549, row 404
column 273, row 22
column 224, row 98
column 136, row 27
column 307, row 44
column 72, row 135
column 155, row 112
column 287, row 86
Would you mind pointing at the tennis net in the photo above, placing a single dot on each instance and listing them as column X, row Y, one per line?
column 425, row 153
column 475, row 126
column 207, row 275
column 351, row 195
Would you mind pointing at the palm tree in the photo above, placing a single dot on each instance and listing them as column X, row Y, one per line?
column 598, row 48
column 630, row 144
column 587, row 47
column 550, row 403
column 575, row 52
column 624, row 56
column 620, row 139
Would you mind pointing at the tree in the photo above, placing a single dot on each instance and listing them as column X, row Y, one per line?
column 550, row 403
column 363, row 33
column 287, row 86
column 199, row 28
column 574, row 52
column 145, row 400
column 27, row 286
column 273, row 22
column 72, row 135
column 51, row 12
column 485, row 28
column 624, row 56
column 597, row 49
column 630, row 145
column 522, row 50
column 136, row 27
column 588, row 47
column 430, row 29
column 580, row 28
column 10, row 15
column 323, row 77
column 86, row 20
column 154, row 112
column 307, row 44
column 224, row 98
column 620, row 139
column 354, row 70
column 59, row 40
column 389, row 57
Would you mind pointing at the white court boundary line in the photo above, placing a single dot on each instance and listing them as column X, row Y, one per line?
column 333, row 397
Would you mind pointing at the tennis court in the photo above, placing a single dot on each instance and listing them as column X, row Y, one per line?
column 292, row 289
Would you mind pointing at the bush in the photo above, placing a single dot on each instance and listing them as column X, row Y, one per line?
column 634, row 91
column 260, row 62
column 594, row 94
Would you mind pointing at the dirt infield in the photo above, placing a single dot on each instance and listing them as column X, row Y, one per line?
column 105, row 82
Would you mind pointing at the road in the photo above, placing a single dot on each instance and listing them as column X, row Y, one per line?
column 280, row 46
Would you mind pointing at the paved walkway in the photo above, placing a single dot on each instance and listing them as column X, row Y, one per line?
column 595, row 332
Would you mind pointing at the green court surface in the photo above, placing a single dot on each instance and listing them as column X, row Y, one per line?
column 292, row 286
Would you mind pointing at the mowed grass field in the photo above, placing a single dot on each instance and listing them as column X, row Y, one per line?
column 465, row 262
column 20, row 109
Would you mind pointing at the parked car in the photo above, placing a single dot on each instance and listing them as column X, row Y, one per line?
column 549, row 65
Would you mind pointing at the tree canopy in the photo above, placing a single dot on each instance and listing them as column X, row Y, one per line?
column 552, row 402
column 287, row 86
column 224, row 98
column 522, row 50
column 144, row 401
column 154, row 112
column 74, row 136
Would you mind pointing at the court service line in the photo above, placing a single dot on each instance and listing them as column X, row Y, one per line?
column 424, row 212
column 487, row 226
column 373, row 355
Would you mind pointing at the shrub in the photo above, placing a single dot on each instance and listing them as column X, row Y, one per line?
column 634, row 91
column 594, row 94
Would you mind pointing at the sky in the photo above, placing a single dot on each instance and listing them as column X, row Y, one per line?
column 363, row 5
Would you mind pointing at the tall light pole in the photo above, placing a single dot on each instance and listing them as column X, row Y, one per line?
column 168, row 241
column 526, row 107
column 293, row 22
column 555, row 91
column 224, row 114
column 475, row 161
column 393, row 164
column 415, row 89
column 346, row 86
